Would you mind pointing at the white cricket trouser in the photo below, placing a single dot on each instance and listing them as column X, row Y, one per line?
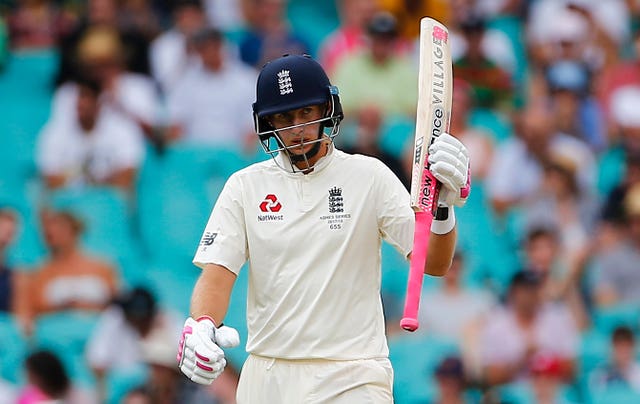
column 283, row 381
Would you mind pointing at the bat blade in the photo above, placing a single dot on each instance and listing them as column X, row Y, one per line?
column 435, row 83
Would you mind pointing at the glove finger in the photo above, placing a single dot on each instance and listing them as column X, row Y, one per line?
column 204, row 380
column 227, row 337
column 446, row 140
column 206, row 350
column 209, row 369
column 448, row 175
column 445, row 157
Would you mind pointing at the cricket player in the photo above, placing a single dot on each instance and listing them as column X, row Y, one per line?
column 310, row 221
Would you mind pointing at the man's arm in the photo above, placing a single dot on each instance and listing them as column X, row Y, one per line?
column 212, row 293
column 441, row 250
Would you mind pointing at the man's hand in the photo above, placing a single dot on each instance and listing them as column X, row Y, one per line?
column 200, row 356
column 449, row 161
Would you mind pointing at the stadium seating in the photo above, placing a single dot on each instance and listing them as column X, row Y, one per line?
column 414, row 358
column 13, row 349
column 66, row 334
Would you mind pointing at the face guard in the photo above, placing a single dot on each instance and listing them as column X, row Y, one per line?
column 273, row 144
column 286, row 84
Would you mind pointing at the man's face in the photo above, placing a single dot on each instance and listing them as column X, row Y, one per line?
column 297, row 138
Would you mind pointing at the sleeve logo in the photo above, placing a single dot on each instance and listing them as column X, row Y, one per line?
column 208, row 238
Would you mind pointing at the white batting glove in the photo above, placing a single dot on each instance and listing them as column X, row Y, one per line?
column 200, row 356
column 449, row 161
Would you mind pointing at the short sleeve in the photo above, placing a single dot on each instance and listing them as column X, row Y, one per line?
column 396, row 219
column 224, row 241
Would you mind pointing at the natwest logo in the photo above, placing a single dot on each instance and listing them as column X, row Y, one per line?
column 270, row 204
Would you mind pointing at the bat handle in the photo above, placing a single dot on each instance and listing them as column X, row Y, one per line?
column 409, row 320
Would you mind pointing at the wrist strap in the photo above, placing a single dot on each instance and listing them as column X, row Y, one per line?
column 446, row 225
column 205, row 317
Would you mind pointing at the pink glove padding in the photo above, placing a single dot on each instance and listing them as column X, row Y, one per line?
column 449, row 161
column 200, row 356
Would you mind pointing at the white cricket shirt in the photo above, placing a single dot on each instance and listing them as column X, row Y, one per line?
column 313, row 245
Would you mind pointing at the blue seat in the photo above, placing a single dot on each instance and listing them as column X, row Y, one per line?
column 496, row 124
column 396, row 135
column 66, row 334
column 176, row 192
column 414, row 358
column 618, row 394
column 606, row 319
column 13, row 348
column 122, row 381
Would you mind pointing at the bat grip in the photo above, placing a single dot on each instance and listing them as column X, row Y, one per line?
column 409, row 320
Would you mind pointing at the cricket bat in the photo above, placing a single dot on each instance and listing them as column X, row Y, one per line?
column 435, row 82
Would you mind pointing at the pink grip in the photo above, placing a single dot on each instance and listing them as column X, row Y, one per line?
column 409, row 320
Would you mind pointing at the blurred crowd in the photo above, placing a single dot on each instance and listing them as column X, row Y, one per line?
column 120, row 120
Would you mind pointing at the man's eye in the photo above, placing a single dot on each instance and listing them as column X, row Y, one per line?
column 307, row 111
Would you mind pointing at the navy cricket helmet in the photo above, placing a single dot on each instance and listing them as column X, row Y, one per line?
column 291, row 82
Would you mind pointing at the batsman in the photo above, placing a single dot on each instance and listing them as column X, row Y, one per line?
column 310, row 222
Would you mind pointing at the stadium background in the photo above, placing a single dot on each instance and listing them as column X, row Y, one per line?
column 150, row 237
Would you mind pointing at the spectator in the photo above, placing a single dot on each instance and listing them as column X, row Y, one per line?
column 546, row 379
column 101, row 14
column 48, row 381
column 623, row 368
column 211, row 104
column 133, row 96
column 8, row 228
column 560, row 203
column 545, row 253
column 577, row 112
column 458, row 313
column 95, row 146
column 517, row 168
column 350, row 36
column 613, row 209
column 269, row 35
column 451, row 381
column 492, row 85
column 141, row 17
column 624, row 111
column 171, row 53
column 367, row 142
column 478, row 142
column 116, row 342
column 38, row 24
column 395, row 76
column 69, row 278
column 618, row 278
column 454, row 310
column 527, row 325
column 624, row 73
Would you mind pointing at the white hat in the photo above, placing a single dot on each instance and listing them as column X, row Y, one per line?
column 625, row 106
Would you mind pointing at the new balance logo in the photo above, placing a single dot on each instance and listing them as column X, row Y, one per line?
column 284, row 82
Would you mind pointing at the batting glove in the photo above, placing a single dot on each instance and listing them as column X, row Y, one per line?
column 200, row 356
column 449, row 163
